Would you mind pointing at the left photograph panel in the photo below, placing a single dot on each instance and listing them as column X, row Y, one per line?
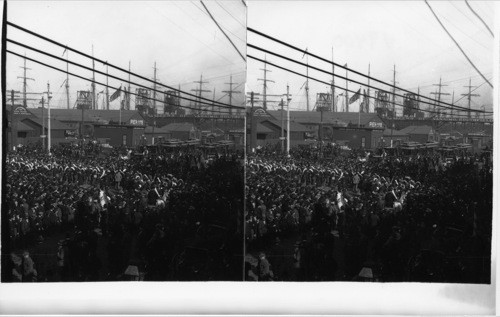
column 123, row 141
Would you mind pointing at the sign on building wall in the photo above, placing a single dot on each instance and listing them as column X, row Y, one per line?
column 260, row 113
column 21, row 111
column 373, row 124
column 136, row 122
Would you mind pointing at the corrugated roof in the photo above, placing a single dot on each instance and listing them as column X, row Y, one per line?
column 54, row 124
column 182, row 126
column 21, row 126
column 263, row 129
column 149, row 129
column 394, row 132
column 294, row 126
column 417, row 129
column 340, row 118
column 88, row 115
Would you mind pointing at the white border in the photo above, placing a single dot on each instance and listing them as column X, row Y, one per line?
column 247, row 298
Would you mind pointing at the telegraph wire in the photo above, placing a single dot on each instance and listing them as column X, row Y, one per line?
column 102, row 73
column 220, row 28
column 337, row 65
column 113, row 66
column 471, row 91
column 470, row 37
column 189, row 33
column 461, row 12
column 205, row 13
column 479, row 17
column 230, row 14
column 96, row 82
column 349, row 90
column 456, row 43
column 442, row 104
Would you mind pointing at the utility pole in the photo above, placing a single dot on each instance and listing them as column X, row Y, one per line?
column 127, row 101
column 288, row 99
column 253, row 122
column 213, row 112
column 394, row 82
column 252, row 129
column 418, row 98
column 154, row 89
column 107, row 90
column 346, row 91
column 48, row 118
column 264, row 89
column 200, row 90
column 43, row 136
column 439, row 93
column 25, row 84
column 452, row 102
column 368, row 94
column 333, row 85
column 320, row 131
column 67, row 80
column 307, row 79
column 213, row 103
column 154, row 125
column 93, row 81
column 12, row 121
column 230, row 92
column 282, row 128
column 81, row 123
column 469, row 95
column 178, row 99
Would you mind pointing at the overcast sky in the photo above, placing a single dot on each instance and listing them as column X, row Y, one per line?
column 382, row 33
column 178, row 35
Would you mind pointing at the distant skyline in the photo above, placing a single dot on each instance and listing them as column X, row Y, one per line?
column 178, row 35
column 379, row 33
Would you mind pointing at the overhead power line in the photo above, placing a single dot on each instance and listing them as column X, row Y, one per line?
column 99, row 72
column 110, row 65
column 471, row 91
column 228, row 38
column 479, row 17
column 242, row 25
column 442, row 104
column 228, row 30
column 456, row 43
column 338, row 65
column 342, row 88
column 90, row 80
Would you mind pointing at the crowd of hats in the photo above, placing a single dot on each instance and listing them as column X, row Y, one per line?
column 388, row 213
column 158, row 201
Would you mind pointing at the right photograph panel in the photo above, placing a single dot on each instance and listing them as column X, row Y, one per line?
column 369, row 141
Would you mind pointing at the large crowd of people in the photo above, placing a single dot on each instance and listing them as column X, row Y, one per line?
column 349, row 215
column 79, row 215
